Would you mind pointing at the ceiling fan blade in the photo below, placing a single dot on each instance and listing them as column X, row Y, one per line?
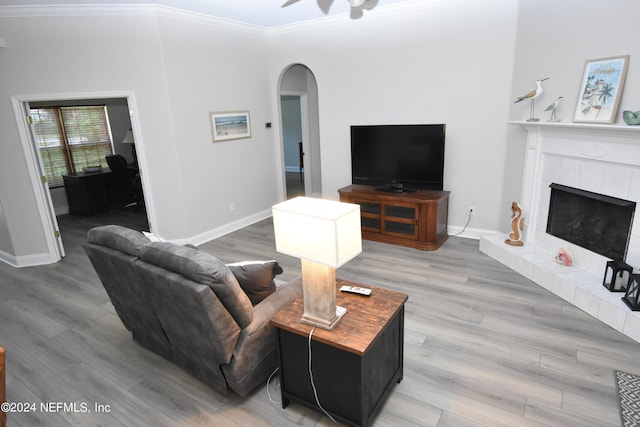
column 325, row 5
column 357, row 12
column 289, row 3
column 370, row 4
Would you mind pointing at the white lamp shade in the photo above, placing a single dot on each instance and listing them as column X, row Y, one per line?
column 323, row 231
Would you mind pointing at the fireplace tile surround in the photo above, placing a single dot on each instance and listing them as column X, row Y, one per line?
column 598, row 158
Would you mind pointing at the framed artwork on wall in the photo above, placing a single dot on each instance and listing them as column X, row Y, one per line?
column 601, row 89
column 230, row 125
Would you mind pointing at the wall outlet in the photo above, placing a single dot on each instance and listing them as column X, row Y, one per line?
column 232, row 206
column 472, row 210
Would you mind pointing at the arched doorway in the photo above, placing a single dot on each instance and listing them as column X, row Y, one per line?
column 298, row 92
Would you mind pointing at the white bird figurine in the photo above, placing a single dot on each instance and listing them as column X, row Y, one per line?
column 553, row 107
column 531, row 96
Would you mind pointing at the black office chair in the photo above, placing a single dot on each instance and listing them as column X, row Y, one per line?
column 126, row 181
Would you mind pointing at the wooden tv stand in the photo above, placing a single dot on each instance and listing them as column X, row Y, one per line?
column 417, row 220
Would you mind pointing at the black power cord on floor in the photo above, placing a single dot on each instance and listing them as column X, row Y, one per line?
column 276, row 385
column 465, row 226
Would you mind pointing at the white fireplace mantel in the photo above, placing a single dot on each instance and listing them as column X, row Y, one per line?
column 579, row 127
column 594, row 157
column 597, row 143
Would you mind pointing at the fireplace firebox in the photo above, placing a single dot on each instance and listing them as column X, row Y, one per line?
column 596, row 222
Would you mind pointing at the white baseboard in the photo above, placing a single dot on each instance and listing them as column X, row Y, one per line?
column 469, row 233
column 8, row 259
column 225, row 229
column 26, row 260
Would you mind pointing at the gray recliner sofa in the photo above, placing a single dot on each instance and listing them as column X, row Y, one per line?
column 188, row 306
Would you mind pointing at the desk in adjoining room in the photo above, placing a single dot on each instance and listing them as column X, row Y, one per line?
column 88, row 193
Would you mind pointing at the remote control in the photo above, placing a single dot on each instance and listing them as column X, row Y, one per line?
column 356, row 290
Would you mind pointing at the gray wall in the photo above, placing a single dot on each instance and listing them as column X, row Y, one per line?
column 449, row 62
column 172, row 66
column 460, row 63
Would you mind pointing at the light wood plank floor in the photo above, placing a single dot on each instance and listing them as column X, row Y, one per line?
column 295, row 185
column 483, row 346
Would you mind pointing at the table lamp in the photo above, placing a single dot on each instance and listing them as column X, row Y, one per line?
column 325, row 235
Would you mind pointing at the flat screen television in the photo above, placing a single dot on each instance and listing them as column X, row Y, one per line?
column 398, row 158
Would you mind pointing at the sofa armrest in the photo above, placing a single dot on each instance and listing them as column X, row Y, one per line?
column 255, row 356
column 263, row 312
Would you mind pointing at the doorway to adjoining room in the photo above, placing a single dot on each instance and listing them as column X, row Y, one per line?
column 300, row 132
column 71, row 140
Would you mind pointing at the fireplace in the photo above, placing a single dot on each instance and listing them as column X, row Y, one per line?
column 594, row 221
column 589, row 161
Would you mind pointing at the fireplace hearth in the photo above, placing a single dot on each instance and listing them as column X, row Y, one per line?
column 594, row 221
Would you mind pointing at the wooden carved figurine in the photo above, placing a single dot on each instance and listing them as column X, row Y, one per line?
column 517, row 225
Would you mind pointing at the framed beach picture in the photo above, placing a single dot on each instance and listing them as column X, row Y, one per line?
column 230, row 125
column 601, row 89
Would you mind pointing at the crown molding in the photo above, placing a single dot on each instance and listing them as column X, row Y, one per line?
column 202, row 18
column 161, row 11
column 151, row 10
column 29, row 11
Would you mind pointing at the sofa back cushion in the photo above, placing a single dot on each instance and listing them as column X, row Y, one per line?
column 202, row 332
column 113, row 251
column 117, row 238
column 205, row 269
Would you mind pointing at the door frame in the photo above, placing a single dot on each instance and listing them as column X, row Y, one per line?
column 41, row 193
column 48, row 220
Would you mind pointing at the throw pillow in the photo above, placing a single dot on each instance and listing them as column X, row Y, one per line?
column 256, row 278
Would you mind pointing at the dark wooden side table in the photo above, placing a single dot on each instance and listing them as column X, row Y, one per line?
column 354, row 365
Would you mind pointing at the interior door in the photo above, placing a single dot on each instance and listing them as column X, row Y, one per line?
column 49, row 219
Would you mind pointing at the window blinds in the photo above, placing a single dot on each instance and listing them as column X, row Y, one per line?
column 71, row 138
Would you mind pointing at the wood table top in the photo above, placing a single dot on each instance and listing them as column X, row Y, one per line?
column 365, row 318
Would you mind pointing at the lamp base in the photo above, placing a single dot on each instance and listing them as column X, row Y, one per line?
column 322, row 323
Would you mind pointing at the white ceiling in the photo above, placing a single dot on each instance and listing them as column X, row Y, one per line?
column 262, row 13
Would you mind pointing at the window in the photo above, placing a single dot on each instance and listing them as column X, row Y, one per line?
column 71, row 138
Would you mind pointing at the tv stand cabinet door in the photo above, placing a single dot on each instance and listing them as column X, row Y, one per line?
column 400, row 220
column 370, row 214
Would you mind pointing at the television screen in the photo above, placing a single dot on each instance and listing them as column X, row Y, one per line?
column 398, row 157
